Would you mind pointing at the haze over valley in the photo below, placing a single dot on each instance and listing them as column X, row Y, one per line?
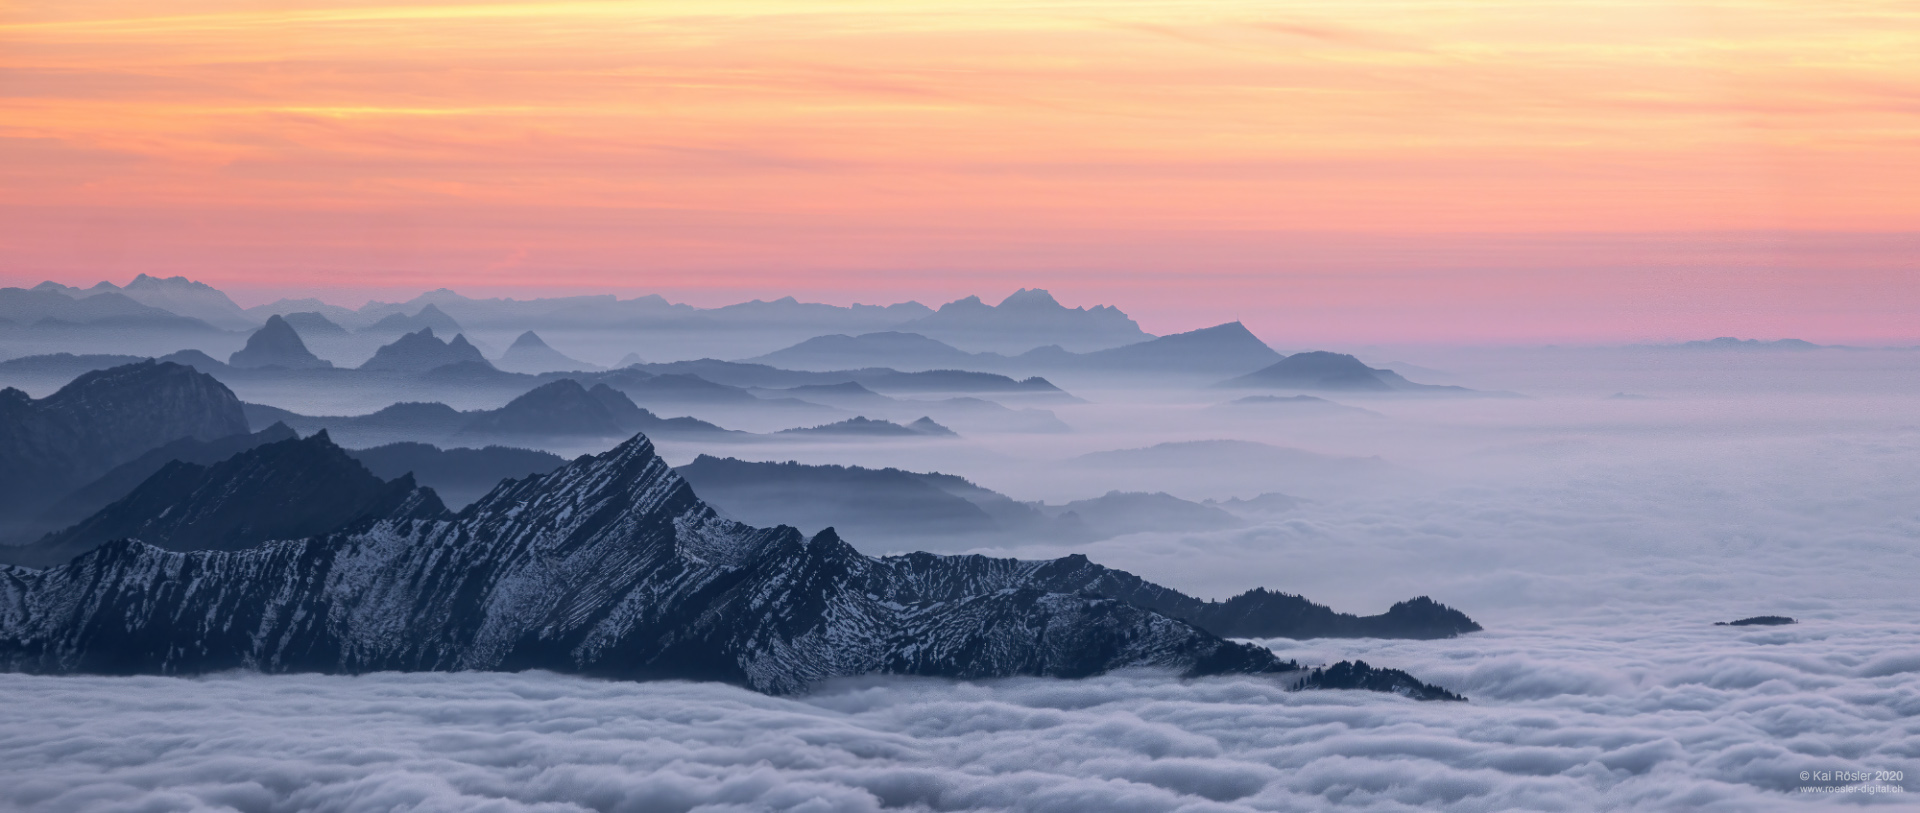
column 1050, row 560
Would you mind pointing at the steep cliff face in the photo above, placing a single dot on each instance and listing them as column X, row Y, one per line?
column 100, row 420
column 609, row 566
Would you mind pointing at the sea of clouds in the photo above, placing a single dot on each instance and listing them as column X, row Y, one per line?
column 1597, row 540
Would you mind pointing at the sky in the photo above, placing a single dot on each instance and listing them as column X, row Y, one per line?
column 1360, row 170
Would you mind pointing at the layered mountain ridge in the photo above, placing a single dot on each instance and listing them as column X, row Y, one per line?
column 607, row 566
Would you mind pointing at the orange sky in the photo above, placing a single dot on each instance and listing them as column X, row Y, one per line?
column 1350, row 169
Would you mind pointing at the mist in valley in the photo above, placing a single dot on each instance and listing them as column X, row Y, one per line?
column 1595, row 509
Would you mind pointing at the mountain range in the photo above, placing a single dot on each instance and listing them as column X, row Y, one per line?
column 1219, row 350
column 100, row 420
column 561, row 408
column 608, row 566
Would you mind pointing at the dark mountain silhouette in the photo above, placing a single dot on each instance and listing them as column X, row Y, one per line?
column 1025, row 320
column 277, row 344
column 458, row 475
column 288, row 489
column 313, row 324
column 528, row 354
column 608, row 566
column 1218, row 350
column 1320, row 370
column 123, row 479
column 62, row 366
column 421, row 351
column 429, row 318
column 407, row 417
column 1359, row 675
column 561, row 408
column 1758, row 621
column 100, row 420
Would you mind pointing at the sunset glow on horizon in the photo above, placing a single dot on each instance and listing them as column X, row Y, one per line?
column 1367, row 170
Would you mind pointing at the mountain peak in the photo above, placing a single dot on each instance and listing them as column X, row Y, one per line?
column 528, row 341
column 1035, row 298
column 277, row 344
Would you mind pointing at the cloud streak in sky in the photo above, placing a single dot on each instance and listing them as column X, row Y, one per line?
column 1127, row 147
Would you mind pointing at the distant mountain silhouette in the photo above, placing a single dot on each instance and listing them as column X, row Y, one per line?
column 289, row 489
column 1027, row 319
column 560, row 408
column 177, row 296
column 894, row 505
column 196, row 300
column 1731, row 343
column 459, row 475
column 100, row 420
column 427, row 318
column 557, row 409
column 277, row 344
column 1219, row 350
column 47, row 308
column 421, row 351
column 1320, row 370
column 861, row 427
column 958, row 381
column 1268, row 503
column 528, row 354
column 926, row 426
column 1118, row 512
column 872, row 503
column 847, row 394
column 901, row 351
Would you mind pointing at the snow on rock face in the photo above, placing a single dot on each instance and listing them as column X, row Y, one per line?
column 607, row 566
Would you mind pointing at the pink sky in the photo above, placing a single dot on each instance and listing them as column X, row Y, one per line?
column 1371, row 171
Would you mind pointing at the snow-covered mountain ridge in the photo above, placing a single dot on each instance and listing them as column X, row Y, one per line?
column 608, row 566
